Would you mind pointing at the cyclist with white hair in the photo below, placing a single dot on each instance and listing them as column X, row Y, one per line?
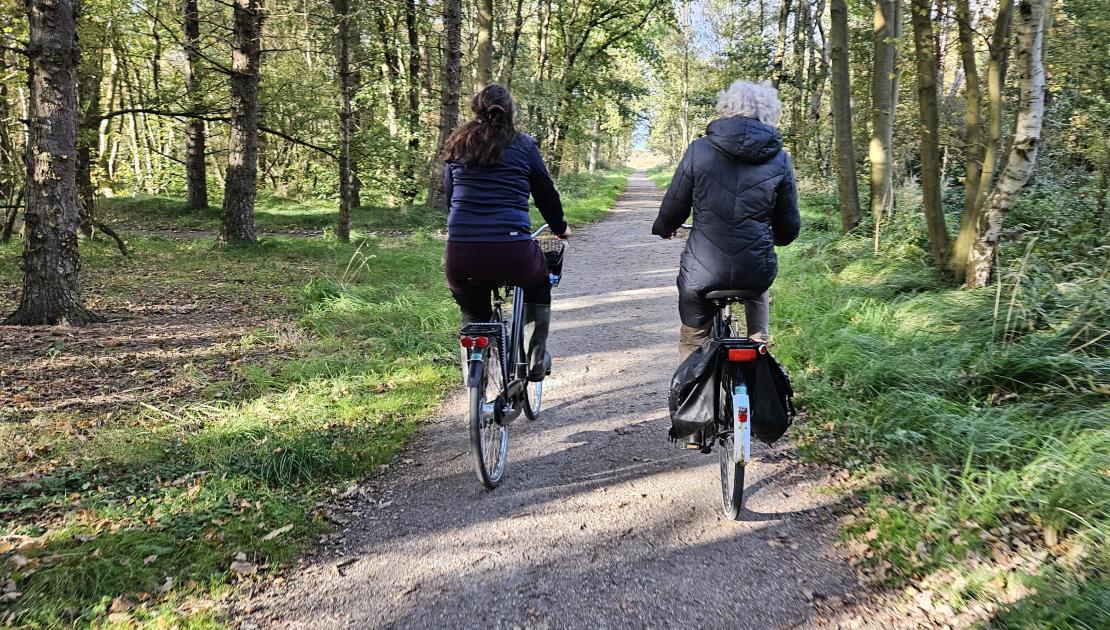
column 740, row 184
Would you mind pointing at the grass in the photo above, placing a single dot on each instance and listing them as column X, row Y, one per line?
column 661, row 175
column 586, row 198
column 135, row 516
column 272, row 214
column 978, row 423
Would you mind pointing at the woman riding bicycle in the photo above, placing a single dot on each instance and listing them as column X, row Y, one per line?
column 742, row 184
column 491, row 169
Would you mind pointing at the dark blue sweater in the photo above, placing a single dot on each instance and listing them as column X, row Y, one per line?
column 491, row 204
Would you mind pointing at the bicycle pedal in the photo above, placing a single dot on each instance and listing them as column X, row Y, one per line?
column 707, row 449
column 692, row 446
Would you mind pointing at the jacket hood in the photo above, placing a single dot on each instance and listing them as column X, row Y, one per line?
column 744, row 139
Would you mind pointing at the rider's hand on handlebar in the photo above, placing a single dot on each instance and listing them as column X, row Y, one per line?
column 565, row 235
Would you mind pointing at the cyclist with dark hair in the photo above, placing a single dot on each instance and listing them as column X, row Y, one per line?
column 491, row 169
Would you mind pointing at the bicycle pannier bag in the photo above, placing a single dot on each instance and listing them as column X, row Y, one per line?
column 771, row 399
column 691, row 398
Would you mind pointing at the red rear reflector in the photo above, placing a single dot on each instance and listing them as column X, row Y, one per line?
column 466, row 342
column 741, row 354
column 481, row 342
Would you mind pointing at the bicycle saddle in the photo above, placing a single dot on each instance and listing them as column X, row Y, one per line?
column 733, row 295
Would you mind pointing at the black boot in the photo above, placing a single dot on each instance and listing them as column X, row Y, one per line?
column 537, row 323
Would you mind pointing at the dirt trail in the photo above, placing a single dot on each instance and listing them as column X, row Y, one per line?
column 601, row 522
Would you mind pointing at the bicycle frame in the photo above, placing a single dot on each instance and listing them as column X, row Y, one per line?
column 735, row 385
column 514, row 365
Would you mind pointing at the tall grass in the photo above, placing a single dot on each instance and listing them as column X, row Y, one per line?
column 983, row 415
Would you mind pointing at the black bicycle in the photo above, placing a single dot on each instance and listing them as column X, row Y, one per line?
column 732, row 427
column 496, row 369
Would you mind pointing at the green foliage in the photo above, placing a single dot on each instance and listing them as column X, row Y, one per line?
column 973, row 409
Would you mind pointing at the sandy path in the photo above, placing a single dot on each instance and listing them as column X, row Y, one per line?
column 601, row 522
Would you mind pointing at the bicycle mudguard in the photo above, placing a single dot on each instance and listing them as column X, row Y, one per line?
column 474, row 372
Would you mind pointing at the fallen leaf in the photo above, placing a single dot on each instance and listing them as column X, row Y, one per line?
column 150, row 559
column 278, row 532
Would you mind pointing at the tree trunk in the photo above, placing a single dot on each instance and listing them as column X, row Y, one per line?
column 929, row 135
column 848, row 185
column 818, row 70
column 780, row 44
column 485, row 44
column 390, row 70
column 90, row 73
column 996, row 83
column 449, row 95
column 882, row 114
column 51, row 263
column 342, row 11
column 196, row 181
column 410, row 183
column 595, row 133
column 1023, row 151
column 969, row 222
column 518, row 25
column 241, row 180
column 801, row 30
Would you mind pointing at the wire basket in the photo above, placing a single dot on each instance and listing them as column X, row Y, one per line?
column 553, row 250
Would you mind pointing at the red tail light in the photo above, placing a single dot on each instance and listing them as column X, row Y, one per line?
column 473, row 342
column 741, row 354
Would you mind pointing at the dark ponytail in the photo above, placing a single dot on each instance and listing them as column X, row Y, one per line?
column 481, row 140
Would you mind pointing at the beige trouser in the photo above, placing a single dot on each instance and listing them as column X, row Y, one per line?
column 757, row 315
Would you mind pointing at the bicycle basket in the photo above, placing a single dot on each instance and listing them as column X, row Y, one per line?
column 553, row 250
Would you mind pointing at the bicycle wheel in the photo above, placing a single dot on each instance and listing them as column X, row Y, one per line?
column 489, row 440
column 533, row 396
column 732, row 465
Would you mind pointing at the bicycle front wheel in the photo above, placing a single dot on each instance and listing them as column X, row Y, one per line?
column 489, row 440
column 533, row 397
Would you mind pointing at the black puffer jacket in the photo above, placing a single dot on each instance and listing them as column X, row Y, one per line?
column 741, row 184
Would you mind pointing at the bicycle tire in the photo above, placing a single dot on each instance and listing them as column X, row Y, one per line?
column 732, row 467
column 489, row 439
column 533, row 398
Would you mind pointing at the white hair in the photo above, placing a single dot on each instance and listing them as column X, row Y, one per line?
column 752, row 100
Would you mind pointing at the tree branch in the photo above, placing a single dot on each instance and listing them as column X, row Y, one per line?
column 212, row 118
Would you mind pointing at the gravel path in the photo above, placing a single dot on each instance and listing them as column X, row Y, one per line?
column 601, row 522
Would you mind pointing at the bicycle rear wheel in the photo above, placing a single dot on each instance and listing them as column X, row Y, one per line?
column 731, row 462
column 489, row 440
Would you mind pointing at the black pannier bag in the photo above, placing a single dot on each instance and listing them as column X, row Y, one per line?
column 692, row 398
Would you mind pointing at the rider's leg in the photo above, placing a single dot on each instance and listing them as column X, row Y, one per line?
column 691, row 338
column 697, row 318
column 537, row 325
column 474, row 304
column 757, row 316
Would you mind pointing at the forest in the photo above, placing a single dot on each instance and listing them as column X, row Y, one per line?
column 221, row 274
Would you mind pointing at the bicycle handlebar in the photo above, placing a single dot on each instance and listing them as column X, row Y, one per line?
column 542, row 229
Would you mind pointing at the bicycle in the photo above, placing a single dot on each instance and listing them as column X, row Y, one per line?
column 498, row 387
column 732, row 429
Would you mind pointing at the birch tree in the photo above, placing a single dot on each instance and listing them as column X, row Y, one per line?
column 1027, row 140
